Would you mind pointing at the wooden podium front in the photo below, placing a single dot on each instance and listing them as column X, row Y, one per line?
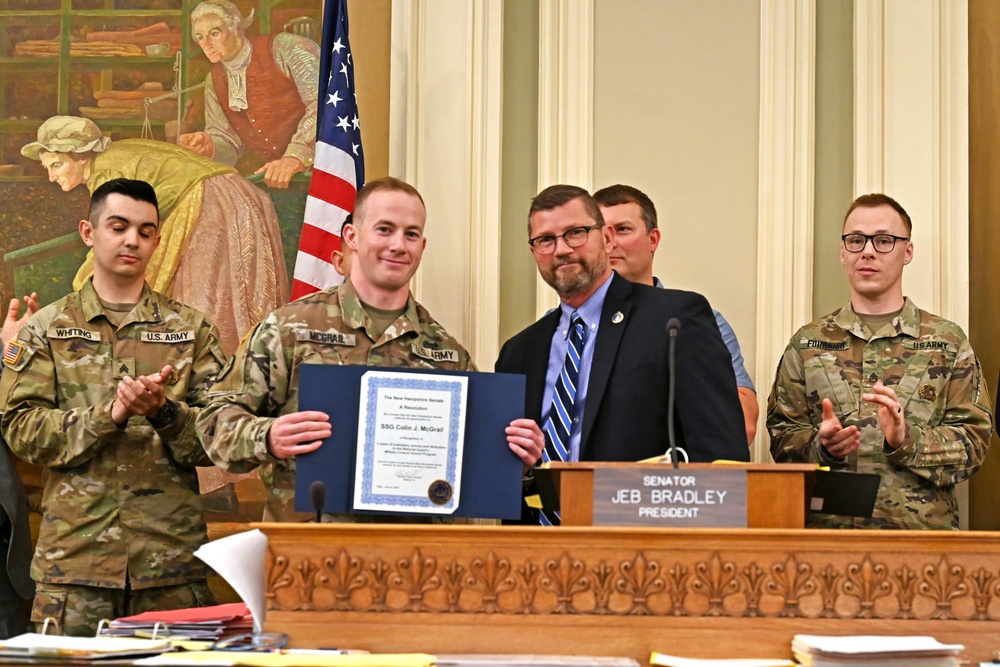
column 778, row 494
column 707, row 593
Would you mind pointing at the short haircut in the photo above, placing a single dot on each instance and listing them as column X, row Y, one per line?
column 555, row 196
column 133, row 189
column 614, row 195
column 349, row 220
column 387, row 184
column 877, row 199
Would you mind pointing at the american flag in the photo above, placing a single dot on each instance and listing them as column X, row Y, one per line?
column 339, row 169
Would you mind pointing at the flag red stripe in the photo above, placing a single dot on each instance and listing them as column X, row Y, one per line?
column 300, row 289
column 332, row 189
column 318, row 242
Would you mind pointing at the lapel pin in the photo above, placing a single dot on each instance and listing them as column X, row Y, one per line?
column 617, row 318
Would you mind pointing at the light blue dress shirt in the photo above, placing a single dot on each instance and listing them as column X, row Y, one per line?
column 590, row 313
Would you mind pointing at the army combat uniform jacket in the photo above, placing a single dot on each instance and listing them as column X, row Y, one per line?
column 930, row 365
column 119, row 503
column 262, row 381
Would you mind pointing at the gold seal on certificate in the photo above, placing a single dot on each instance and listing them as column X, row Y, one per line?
column 439, row 492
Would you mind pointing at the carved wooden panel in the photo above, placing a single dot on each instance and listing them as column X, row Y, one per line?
column 439, row 573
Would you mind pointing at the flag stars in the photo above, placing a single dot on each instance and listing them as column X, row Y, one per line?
column 343, row 70
column 355, row 147
column 354, row 121
column 342, row 122
column 335, row 98
column 337, row 46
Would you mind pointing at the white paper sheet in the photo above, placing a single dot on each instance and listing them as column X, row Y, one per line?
column 239, row 559
column 411, row 432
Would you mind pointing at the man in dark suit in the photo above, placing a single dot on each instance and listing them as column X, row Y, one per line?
column 618, row 408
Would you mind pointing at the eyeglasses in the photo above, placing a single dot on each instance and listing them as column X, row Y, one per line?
column 574, row 238
column 882, row 243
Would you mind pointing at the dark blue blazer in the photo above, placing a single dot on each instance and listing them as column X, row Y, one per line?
column 625, row 416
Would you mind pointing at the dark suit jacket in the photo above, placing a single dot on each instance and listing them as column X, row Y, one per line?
column 625, row 416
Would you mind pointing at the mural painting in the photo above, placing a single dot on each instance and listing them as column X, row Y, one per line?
column 213, row 102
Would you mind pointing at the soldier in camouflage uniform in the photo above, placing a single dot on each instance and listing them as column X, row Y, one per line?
column 101, row 388
column 371, row 319
column 883, row 387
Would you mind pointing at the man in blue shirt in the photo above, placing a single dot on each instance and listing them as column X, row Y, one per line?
column 597, row 367
column 633, row 216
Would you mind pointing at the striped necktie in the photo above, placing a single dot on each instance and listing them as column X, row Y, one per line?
column 560, row 420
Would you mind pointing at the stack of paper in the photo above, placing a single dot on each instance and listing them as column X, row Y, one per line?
column 874, row 651
column 54, row 649
column 208, row 623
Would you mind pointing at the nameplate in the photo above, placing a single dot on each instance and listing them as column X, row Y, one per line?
column 167, row 336
column 74, row 332
column 665, row 496
column 325, row 337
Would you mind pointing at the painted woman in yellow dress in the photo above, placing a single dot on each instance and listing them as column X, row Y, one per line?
column 221, row 245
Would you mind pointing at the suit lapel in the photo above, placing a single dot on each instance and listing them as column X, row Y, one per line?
column 536, row 364
column 609, row 337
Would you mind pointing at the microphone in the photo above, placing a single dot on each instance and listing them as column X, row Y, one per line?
column 673, row 327
column 317, row 496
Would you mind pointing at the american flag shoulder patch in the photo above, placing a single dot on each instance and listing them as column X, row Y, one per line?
column 12, row 353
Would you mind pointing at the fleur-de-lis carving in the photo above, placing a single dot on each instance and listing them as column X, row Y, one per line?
column 753, row 584
column 942, row 583
column 307, row 572
column 601, row 576
column 454, row 582
column 829, row 579
column 378, row 578
column 677, row 577
column 565, row 577
column 867, row 581
column 983, row 589
column 640, row 578
column 492, row 576
column 527, row 574
column 791, row 580
column 342, row 574
column 906, row 585
column 717, row 579
column 278, row 575
column 415, row 576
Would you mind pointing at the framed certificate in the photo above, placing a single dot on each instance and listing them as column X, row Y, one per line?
column 413, row 442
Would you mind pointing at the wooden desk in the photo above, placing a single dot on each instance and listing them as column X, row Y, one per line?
column 616, row 591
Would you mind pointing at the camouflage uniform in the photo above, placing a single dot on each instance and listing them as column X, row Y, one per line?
column 120, row 505
column 930, row 365
column 261, row 382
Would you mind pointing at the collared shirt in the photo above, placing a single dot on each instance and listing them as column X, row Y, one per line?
column 262, row 381
column 729, row 338
column 929, row 363
column 120, row 505
column 590, row 313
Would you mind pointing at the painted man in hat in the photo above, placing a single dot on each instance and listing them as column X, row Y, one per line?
column 101, row 388
column 221, row 246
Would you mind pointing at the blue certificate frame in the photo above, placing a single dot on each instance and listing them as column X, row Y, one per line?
column 491, row 473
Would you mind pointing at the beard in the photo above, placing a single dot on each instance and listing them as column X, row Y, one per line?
column 581, row 278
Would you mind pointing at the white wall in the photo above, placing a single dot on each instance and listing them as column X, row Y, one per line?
column 676, row 106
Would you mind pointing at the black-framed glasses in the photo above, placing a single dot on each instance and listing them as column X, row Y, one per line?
column 574, row 238
column 882, row 243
